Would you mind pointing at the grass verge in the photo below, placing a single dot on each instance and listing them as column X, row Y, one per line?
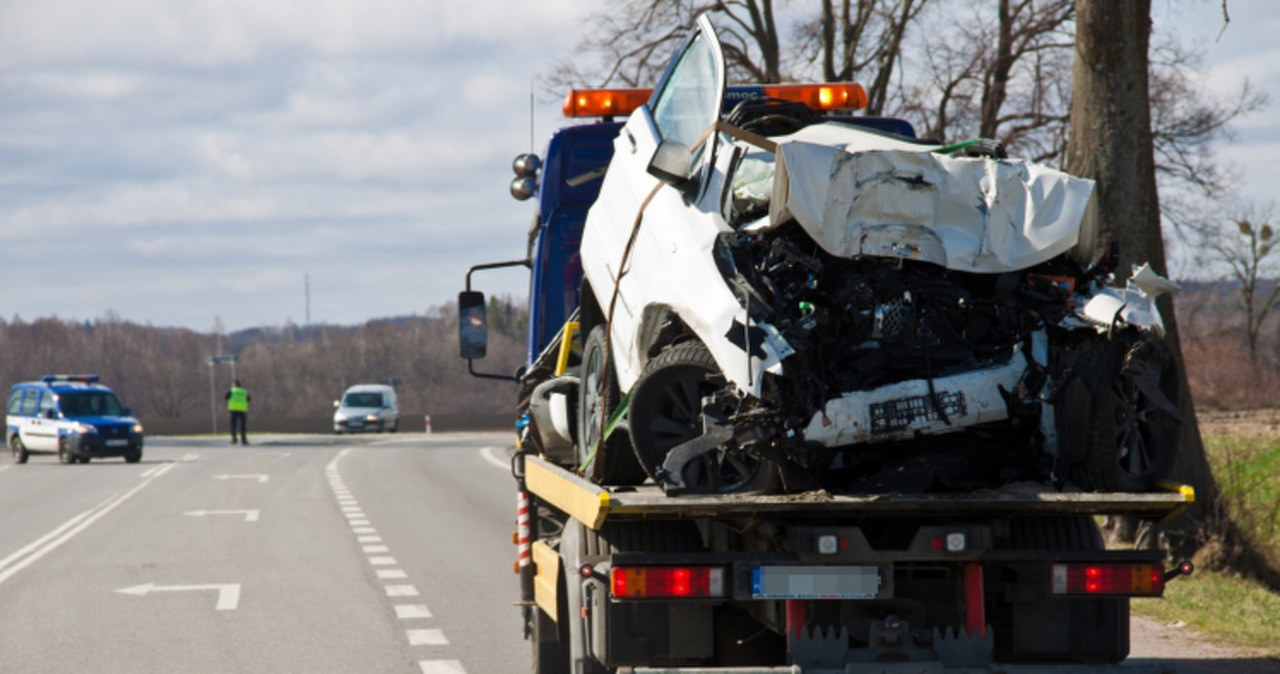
column 1225, row 606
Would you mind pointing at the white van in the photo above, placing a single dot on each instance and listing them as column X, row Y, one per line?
column 367, row 407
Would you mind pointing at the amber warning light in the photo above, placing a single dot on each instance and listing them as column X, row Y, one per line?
column 823, row 97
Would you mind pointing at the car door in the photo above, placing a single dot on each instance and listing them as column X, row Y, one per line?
column 684, row 105
column 41, row 431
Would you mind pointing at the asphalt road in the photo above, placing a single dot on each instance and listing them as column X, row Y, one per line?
column 386, row 553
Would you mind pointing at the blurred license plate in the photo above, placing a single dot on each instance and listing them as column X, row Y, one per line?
column 117, row 443
column 815, row 582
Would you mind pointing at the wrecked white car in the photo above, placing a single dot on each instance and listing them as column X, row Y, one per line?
column 779, row 300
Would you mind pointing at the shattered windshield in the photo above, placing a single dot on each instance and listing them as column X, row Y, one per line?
column 95, row 404
column 690, row 100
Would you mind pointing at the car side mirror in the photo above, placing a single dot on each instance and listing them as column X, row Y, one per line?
column 472, row 331
column 671, row 163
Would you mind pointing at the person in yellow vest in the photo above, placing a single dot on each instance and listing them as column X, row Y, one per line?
column 238, row 406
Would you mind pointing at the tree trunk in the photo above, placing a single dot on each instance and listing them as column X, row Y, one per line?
column 1111, row 143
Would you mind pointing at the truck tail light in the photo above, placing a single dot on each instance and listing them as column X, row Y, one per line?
column 667, row 582
column 1132, row 580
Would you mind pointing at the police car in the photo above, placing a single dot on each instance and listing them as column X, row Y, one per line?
column 73, row 416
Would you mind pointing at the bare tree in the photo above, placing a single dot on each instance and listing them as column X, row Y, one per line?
column 1248, row 254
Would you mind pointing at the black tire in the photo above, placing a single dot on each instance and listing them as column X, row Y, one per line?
column 1083, row 629
column 550, row 649
column 1132, row 438
column 133, row 456
column 85, row 459
column 19, row 450
column 64, row 453
column 666, row 411
column 613, row 463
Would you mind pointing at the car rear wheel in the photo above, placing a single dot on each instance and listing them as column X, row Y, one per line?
column 613, row 461
column 19, row 450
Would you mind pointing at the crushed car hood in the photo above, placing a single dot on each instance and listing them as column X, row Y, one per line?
column 857, row 193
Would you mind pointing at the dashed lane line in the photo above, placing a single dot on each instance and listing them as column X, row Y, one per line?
column 371, row 545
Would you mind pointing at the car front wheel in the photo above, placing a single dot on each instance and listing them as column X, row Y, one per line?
column 64, row 452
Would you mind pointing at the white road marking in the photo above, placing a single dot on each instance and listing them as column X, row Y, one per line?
column 375, row 548
column 429, row 637
column 189, row 457
column 391, row 574
column 364, row 530
column 228, row 593
column 49, row 542
column 257, row 476
column 369, row 539
column 4, row 468
column 358, row 514
column 249, row 515
column 351, row 508
column 441, row 667
column 412, row 611
column 401, row 590
column 382, row 561
column 487, row 454
column 359, row 523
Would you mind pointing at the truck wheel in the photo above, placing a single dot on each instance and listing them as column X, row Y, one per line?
column 1132, row 439
column 1065, row 629
column 64, row 452
column 19, row 450
column 550, row 652
column 613, row 462
column 666, row 411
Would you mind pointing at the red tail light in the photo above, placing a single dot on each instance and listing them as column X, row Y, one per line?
column 667, row 582
column 1132, row 580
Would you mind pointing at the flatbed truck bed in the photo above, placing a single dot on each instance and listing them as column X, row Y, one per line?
column 593, row 504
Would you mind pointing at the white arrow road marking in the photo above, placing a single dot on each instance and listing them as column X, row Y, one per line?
column 258, row 477
column 228, row 593
column 249, row 515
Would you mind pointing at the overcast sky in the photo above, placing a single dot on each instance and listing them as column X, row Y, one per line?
column 185, row 162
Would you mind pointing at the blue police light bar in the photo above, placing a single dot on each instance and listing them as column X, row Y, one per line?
column 85, row 378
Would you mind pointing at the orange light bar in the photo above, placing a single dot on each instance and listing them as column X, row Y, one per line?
column 1133, row 580
column 667, row 582
column 604, row 102
column 825, row 96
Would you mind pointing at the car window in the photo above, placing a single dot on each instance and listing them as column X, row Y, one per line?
column 363, row 400
column 15, row 401
column 90, row 404
column 47, row 402
column 690, row 98
column 29, row 399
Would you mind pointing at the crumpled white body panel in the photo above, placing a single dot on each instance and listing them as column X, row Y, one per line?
column 967, row 214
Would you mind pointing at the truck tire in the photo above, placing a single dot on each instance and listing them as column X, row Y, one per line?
column 613, row 462
column 666, row 411
column 550, row 652
column 1085, row 630
column 1132, row 434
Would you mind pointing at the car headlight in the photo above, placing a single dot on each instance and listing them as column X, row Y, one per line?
column 371, row 417
column 137, row 428
column 339, row 418
column 84, row 429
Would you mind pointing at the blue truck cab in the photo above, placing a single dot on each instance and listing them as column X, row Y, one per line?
column 73, row 416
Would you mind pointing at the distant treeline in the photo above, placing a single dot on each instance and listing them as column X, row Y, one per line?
column 291, row 372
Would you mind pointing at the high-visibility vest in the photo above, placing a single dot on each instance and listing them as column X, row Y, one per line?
column 239, row 400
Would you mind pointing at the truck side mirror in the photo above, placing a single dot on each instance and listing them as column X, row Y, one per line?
column 671, row 164
column 472, row 331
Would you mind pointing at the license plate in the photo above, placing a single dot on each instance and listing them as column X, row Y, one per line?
column 117, row 443
column 815, row 582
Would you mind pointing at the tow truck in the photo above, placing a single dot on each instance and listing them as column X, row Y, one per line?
column 618, row 575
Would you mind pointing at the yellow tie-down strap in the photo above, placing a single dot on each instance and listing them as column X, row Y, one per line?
column 1188, row 496
column 582, row 500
